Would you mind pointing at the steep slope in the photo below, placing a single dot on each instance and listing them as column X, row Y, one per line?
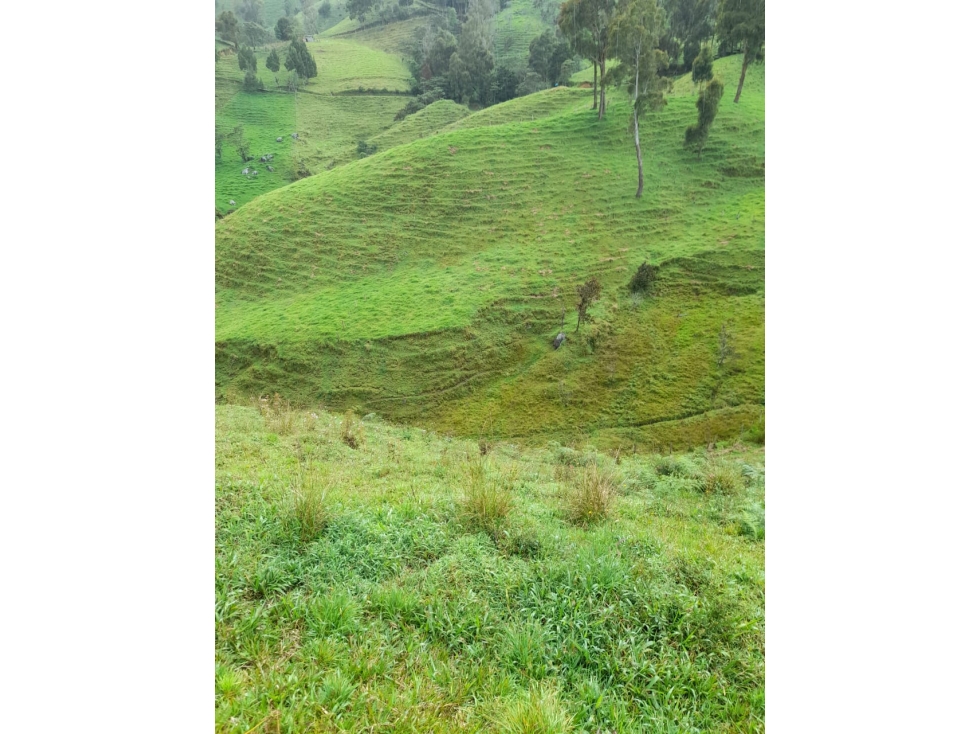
column 426, row 283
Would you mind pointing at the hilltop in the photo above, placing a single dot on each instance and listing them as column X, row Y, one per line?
column 426, row 282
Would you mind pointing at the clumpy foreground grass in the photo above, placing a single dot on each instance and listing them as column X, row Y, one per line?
column 417, row 584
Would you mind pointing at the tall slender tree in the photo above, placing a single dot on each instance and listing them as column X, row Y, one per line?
column 595, row 18
column 742, row 23
column 579, row 35
column 635, row 33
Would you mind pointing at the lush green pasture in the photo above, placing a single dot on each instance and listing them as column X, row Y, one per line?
column 549, row 103
column 264, row 117
column 344, row 65
column 330, row 125
column 393, row 38
column 427, row 121
column 516, row 26
column 426, row 282
column 385, row 578
column 328, row 118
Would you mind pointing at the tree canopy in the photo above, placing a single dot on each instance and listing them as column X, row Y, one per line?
column 547, row 54
column 226, row 26
column 247, row 60
column 707, row 104
column 742, row 23
column 300, row 60
column 284, row 29
column 587, row 23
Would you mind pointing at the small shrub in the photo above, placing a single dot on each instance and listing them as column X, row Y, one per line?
column 640, row 480
column 253, row 83
column 643, row 278
column 487, row 499
column 720, row 478
column 590, row 496
column 752, row 521
column 352, row 430
column 565, row 456
column 365, row 149
column 670, row 466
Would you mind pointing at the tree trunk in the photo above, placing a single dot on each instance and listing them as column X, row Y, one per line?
column 635, row 127
column 744, row 68
column 601, row 94
column 594, row 85
column 635, row 132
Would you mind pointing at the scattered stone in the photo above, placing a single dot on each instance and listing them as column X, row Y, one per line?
column 263, row 159
column 278, row 140
column 369, row 417
column 559, row 340
column 295, row 136
column 232, row 202
column 245, row 172
column 269, row 169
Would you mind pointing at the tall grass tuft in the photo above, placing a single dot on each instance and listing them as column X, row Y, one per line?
column 487, row 499
column 308, row 502
column 540, row 712
column 720, row 478
column 352, row 430
column 280, row 417
column 591, row 493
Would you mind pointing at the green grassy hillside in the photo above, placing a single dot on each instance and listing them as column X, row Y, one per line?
column 548, row 103
column 427, row 121
column 329, row 114
column 382, row 578
column 516, row 26
column 426, row 283
column 393, row 38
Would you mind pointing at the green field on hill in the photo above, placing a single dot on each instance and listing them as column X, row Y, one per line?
column 329, row 114
column 426, row 282
column 374, row 577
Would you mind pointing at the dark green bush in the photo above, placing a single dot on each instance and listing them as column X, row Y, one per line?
column 643, row 278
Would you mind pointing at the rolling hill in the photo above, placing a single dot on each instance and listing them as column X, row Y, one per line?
column 425, row 283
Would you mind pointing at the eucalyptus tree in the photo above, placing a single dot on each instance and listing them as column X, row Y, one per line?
column 635, row 32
